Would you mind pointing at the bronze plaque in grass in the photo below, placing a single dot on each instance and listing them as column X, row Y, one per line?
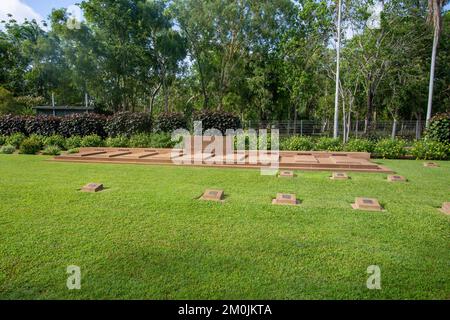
column 286, row 174
column 339, row 176
column 367, row 204
column 286, row 199
column 446, row 208
column 212, row 195
column 430, row 165
column 396, row 178
column 92, row 187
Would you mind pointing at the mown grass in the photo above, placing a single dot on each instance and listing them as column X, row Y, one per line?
column 146, row 237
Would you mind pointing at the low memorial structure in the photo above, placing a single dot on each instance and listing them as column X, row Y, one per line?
column 396, row 178
column 367, row 204
column 212, row 195
column 92, row 187
column 446, row 208
column 339, row 176
column 286, row 199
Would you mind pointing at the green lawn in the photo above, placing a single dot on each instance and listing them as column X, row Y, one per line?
column 146, row 237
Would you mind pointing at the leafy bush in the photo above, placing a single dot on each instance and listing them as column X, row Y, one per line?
column 52, row 151
column 297, row 143
column 15, row 139
column 390, row 149
column 55, row 140
column 430, row 150
column 168, row 122
column 74, row 150
column 139, row 141
column 3, row 139
column 73, row 142
column 328, row 144
column 218, row 120
column 10, row 124
column 160, row 140
column 7, row 149
column 439, row 128
column 42, row 125
column 128, row 123
column 82, row 125
column 117, row 142
column 92, row 140
column 360, row 145
column 31, row 145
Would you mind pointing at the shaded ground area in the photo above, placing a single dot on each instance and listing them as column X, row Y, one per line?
column 146, row 237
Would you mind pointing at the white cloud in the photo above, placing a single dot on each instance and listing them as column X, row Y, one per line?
column 19, row 10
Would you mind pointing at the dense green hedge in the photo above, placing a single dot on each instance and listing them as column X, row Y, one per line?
column 128, row 123
column 217, row 120
column 439, row 128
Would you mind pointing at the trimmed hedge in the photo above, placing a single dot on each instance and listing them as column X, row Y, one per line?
column 390, row 149
column 217, row 120
column 128, row 123
column 42, row 125
column 439, row 128
column 10, row 124
column 430, row 150
column 169, row 122
column 360, row 145
column 328, row 144
column 82, row 125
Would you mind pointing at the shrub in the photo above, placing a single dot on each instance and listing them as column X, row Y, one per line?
column 31, row 145
column 7, row 149
column 430, row 150
column 117, row 142
column 52, row 151
column 170, row 121
column 82, row 125
column 139, row 141
column 218, row 120
column 15, row 139
column 73, row 142
column 55, row 140
column 390, row 149
column 3, row 139
column 74, row 150
column 10, row 124
column 328, row 144
column 160, row 140
column 128, row 123
column 297, row 143
column 92, row 140
column 439, row 128
column 360, row 145
column 42, row 125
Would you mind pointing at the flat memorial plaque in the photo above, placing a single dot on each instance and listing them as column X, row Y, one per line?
column 339, row 176
column 396, row 178
column 286, row 199
column 368, row 204
column 430, row 165
column 446, row 208
column 212, row 195
column 92, row 187
column 286, row 174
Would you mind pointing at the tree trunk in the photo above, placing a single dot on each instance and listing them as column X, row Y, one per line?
column 433, row 65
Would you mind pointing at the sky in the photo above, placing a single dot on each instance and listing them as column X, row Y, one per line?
column 39, row 9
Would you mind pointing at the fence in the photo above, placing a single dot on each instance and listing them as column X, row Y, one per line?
column 358, row 128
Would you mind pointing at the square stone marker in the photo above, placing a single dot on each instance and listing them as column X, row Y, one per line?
column 339, row 176
column 212, row 195
column 446, row 208
column 367, row 204
column 92, row 187
column 430, row 165
column 396, row 178
column 286, row 174
column 285, row 199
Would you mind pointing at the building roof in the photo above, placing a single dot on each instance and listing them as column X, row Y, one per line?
column 81, row 108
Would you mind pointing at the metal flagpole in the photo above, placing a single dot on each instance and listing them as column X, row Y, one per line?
column 338, row 56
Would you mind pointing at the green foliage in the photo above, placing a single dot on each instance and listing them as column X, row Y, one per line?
column 430, row 150
column 15, row 139
column 31, row 145
column 73, row 142
column 55, row 140
column 82, row 125
column 10, row 124
column 52, row 150
column 74, row 150
column 128, row 123
column 8, row 104
column 154, row 140
column 360, row 145
column 3, row 139
column 42, row 125
column 7, row 149
column 170, row 121
column 439, row 128
column 297, row 143
column 219, row 120
column 328, row 144
column 390, row 149
column 92, row 140
column 117, row 142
